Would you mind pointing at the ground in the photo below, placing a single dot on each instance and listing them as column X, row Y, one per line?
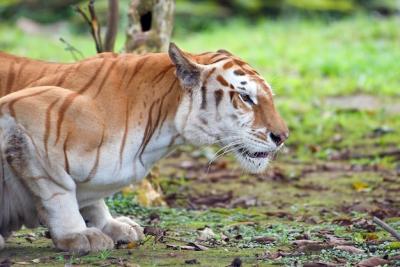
column 337, row 85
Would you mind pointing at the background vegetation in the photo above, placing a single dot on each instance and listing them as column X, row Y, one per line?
column 334, row 68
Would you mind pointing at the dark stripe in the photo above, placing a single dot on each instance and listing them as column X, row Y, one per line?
column 14, row 101
column 121, row 150
column 92, row 173
column 164, row 96
column 231, row 94
column 203, row 97
column 61, row 113
column 239, row 72
column 47, row 126
column 161, row 75
column 208, row 75
column 138, row 66
column 40, row 76
column 219, row 94
column 215, row 55
column 222, row 81
column 147, row 132
column 240, row 62
column 62, row 78
column 150, row 127
column 123, row 77
column 10, row 78
column 105, row 76
column 227, row 65
column 65, row 153
column 21, row 68
column 220, row 59
column 91, row 81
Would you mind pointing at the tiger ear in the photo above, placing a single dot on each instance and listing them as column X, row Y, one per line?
column 187, row 71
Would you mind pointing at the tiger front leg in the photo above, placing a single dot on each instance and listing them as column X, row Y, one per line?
column 122, row 229
column 53, row 190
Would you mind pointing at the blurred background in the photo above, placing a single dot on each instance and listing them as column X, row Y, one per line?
column 334, row 66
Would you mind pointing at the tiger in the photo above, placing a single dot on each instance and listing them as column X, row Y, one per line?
column 73, row 134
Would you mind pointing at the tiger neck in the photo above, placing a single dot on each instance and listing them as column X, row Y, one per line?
column 160, row 135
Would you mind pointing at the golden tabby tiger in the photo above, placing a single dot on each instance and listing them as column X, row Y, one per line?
column 79, row 132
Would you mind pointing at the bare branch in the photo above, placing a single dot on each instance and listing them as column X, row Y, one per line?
column 96, row 27
column 386, row 227
column 112, row 25
column 92, row 29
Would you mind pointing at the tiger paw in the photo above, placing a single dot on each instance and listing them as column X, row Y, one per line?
column 123, row 230
column 91, row 239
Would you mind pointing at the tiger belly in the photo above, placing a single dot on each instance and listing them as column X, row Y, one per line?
column 107, row 181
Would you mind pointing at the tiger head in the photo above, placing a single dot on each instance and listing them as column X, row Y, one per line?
column 228, row 103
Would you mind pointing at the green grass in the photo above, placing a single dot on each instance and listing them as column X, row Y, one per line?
column 306, row 61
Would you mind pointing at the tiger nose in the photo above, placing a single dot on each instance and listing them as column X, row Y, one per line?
column 279, row 138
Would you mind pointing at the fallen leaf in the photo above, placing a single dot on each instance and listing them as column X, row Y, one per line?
column 302, row 242
column 372, row 262
column 148, row 196
column 206, row 234
column 350, row 249
column 264, row 239
column 318, row 264
column 333, row 240
column 371, row 236
column 361, row 186
column 132, row 245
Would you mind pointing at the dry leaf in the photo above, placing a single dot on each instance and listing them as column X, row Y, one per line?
column 206, row 234
column 361, row 186
column 148, row 196
column 350, row 249
column 318, row 264
column 372, row 262
column 132, row 245
column 264, row 239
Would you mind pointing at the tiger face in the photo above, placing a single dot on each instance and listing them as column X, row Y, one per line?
column 228, row 103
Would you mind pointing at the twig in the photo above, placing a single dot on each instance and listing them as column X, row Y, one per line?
column 386, row 227
column 93, row 25
column 112, row 25
column 70, row 48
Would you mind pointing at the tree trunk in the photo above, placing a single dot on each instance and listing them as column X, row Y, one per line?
column 150, row 25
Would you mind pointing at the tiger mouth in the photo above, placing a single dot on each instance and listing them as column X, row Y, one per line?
column 257, row 155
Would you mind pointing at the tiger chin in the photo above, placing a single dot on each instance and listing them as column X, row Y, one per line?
column 73, row 134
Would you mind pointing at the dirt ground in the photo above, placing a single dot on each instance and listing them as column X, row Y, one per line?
column 312, row 213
